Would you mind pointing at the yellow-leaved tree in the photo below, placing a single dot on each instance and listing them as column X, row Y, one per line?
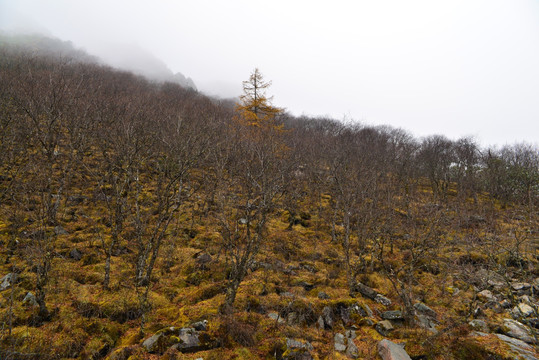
column 255, row 108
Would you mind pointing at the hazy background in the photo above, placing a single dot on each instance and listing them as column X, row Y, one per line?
column 447, row 67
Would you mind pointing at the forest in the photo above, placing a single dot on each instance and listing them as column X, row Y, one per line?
column 144, row 220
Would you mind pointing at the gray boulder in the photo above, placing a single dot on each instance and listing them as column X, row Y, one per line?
column 392, row 315
column 479, row 325
column 518, row 347
column 30, row 300
column 327, row 316
column 154, row 343
column 388, row 350
column 517, row 330
column 381, row 299
column 340, row 344
column 189, row 341
column 424, row 309
column 298, row 350
column 59, row 230
column 384, row 327
column 365, row 291
column 7, row 280
column 200, row 325
column 323, row 296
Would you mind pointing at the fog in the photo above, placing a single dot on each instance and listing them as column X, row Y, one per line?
column 447, row 67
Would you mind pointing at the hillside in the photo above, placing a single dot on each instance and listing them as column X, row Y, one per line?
column 143, row 220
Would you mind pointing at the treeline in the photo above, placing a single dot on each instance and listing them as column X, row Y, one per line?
column 147, row 154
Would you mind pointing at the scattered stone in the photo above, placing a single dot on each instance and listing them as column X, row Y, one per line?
column 351, row 350
column 479, row 325
column 75, row 254
column 203, row 259
column 388, row 350
column 298, row 350
column 365, row 311
column 519, row 347
column 321, row 324
column 517, row 330
column 426, row 322
column 521, row 287
column 350, row 334
column 506, row 304
column 392, row 315
column 327, row 316
column 366, row 291
column 189, row 341
column 491, row 278
column 243, row 221
column 59, row 230
column 309, row 268
column 7, row 280
column 339, row 342
column 287, row 294
column 381, row 299
column 323, row 296
column 154, row 343
column 276, row 317
column 523, row 310
column 200, row 325
column 424, row 309
column 486, row 295
column 384, row 327
column 30, row 299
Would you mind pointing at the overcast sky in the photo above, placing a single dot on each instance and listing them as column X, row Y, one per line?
column 447, row 67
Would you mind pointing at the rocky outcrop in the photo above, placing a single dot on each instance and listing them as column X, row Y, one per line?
column 185, row 340
column 298, row 350
column 388, row 350
column 517, row 330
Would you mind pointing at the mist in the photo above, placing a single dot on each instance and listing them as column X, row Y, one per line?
column 455, row 68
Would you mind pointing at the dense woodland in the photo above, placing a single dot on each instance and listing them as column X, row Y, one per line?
column 128, row 207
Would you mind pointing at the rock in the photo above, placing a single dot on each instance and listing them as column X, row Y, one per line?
column 384, row 327
column 75, row 254
column 203, row 259
column 519, row 347
column 243, row 221
column 388, row 350
column 323, row 296
column 350, row 334
column 381, row 299
column 321, row 324
column 486, row 295
column 287, row 294
column 517, row 330
column 427, row 322
column 492, row 278
column 200, row 325
column 154, row 343
column 327, row 316
column 189, row 341
column 298, row 350
column 30, row 299
column 351, row 350
column 479, row 325
column 7, row 280
column 365, row 291
column 276, row 317
column 523, row 310
column 364, row 310
column 59, row 230
column 339, row 342
column 521, row 287
column 506, row 304
column 424, row 309
column 392, row 315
